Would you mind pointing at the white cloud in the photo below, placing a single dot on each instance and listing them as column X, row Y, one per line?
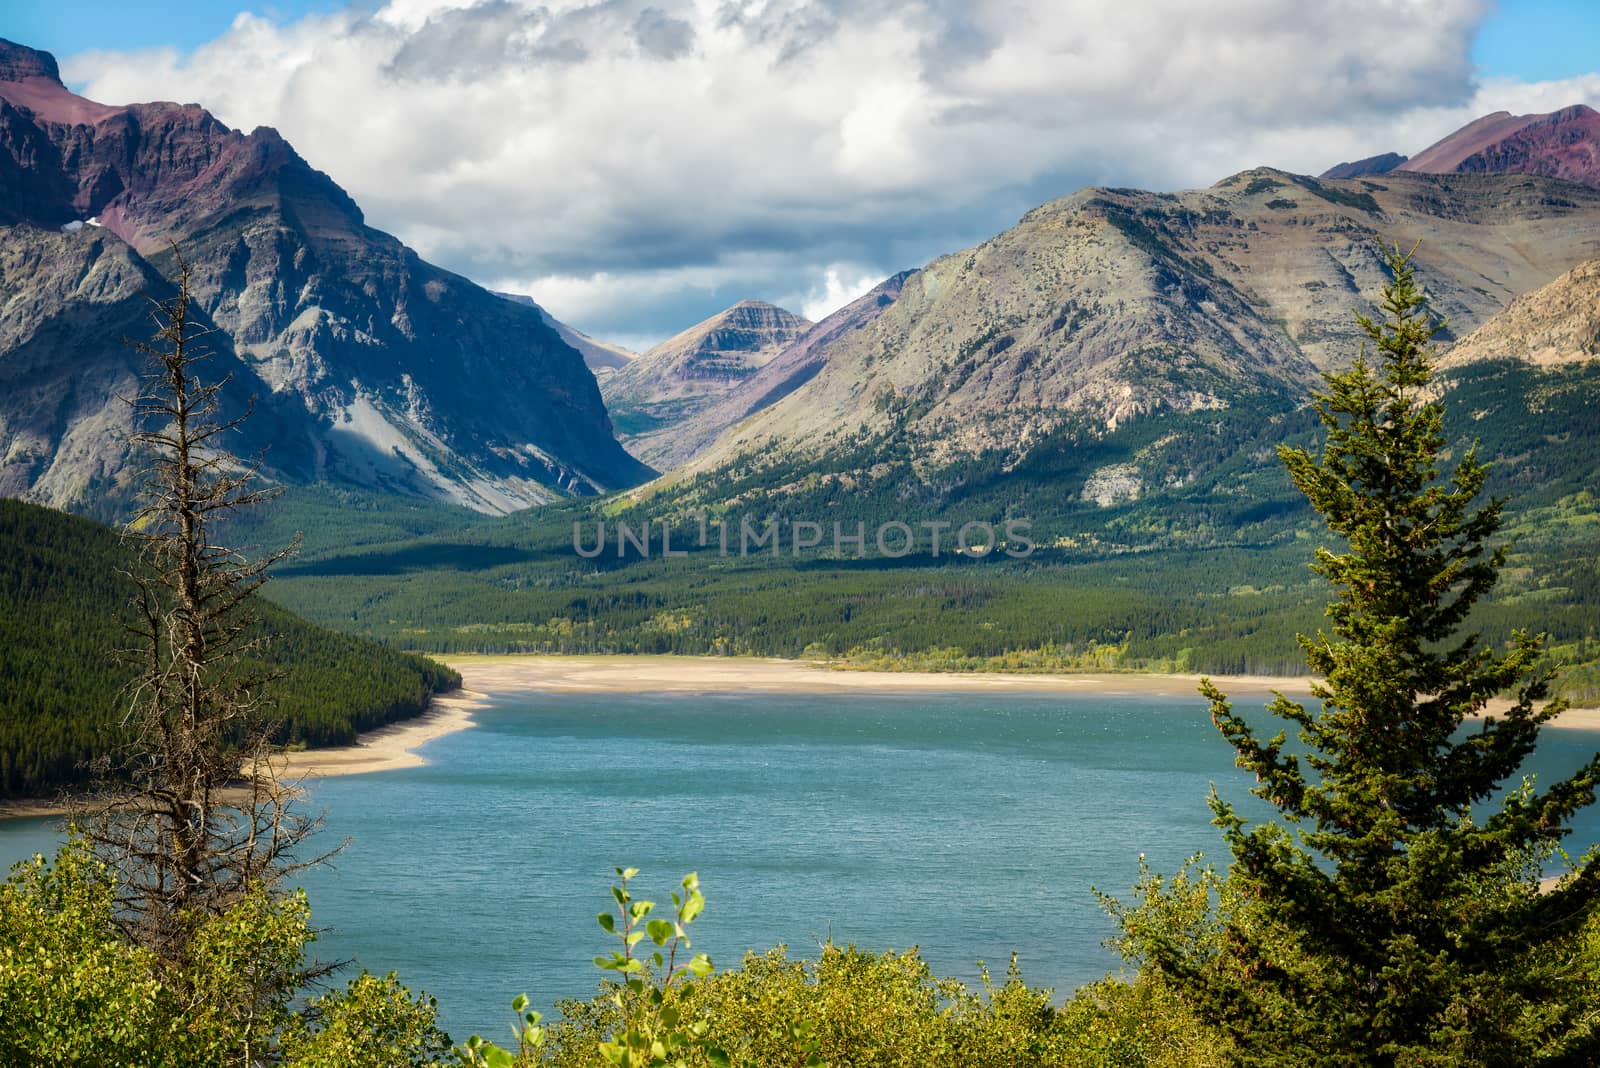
column 633, row 161
column 840, row 285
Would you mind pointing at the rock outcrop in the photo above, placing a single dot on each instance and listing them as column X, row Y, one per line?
column 1555, row 324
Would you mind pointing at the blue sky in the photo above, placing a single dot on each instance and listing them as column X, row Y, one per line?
column 1538, row 39
column 636, row 165
column 68, row 26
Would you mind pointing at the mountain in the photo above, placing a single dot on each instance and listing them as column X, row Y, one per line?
column 1381, row 164
column 780, row 376
column 1560, row 144
column 379, row 369
column 1554, row 325
column 63, row 591
column 1115, row 305
column 599, row 356
column 675, row 380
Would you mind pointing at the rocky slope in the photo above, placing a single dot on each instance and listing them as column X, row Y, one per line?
column 1559, row 144
column 1113, row 305
column 689, row 372
column 1555, row 324
column 402, row 376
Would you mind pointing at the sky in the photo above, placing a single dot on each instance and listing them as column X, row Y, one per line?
column 637, row 165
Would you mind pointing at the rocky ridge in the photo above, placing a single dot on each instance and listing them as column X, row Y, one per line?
column 1114, row 305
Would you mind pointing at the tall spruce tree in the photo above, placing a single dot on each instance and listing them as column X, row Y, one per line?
column 1395, row 914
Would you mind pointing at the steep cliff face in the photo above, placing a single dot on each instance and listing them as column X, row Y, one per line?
column 1117, row 305
column 671, row 384
column 64, row 427
column 1559, row 144
column 408, row 377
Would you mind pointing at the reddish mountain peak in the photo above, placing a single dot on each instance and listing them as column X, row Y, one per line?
column 30, row 79
column 1560, row 144
column 18, row 62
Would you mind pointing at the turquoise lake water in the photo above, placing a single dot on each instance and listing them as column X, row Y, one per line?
column 969, row 825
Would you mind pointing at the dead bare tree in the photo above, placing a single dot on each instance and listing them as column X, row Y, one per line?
column 199, row 813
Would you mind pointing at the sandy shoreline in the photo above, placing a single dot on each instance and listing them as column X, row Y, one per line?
column 710, row 674
column 701, row 674
column 395, row 745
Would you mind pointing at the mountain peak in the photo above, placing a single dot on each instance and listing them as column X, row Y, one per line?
column 377, row 369
column 1379, row 164
column 751, row 326
column 694, row 369
column 1558, row 144
column 18, row 62
column 1553, row 325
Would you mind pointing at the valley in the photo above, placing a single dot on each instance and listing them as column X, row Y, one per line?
column 851, row 494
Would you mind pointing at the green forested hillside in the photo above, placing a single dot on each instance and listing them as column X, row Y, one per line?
column 1204, row 570
column 61, row 687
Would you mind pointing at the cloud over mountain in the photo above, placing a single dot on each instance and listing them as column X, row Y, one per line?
column 636, row 164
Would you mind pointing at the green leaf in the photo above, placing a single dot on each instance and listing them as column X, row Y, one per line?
column 519, row 1003
column 700, row 965
column 608, row 923
column 660, row 931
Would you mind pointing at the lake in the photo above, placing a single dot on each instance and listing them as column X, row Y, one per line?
column 969, row 825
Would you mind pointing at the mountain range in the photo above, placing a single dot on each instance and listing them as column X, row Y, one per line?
column 1114, row 305
column 373, row 367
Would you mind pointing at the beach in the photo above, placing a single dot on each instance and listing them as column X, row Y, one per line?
column 722, row 674
column 393, row 746
column 705, row 674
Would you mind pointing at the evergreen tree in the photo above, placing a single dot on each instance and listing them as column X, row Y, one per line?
column 1402, row 920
